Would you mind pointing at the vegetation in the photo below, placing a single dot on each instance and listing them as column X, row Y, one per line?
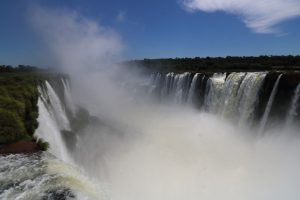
column 18, row 105
column 42, row 144
column 229, row 63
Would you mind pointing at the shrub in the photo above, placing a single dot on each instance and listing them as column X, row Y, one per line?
column 12, row 128
column 13, row 106
column 42, row 144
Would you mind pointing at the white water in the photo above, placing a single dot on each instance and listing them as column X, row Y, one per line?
column 213, row 92
column 248, row 96
column 192, row 91
column 68, row 97
column 228, row 98
column 49, row 131
column 265, row 117
column 234, row 97
column 294, row 106
column 41, row 176
column 58, row 109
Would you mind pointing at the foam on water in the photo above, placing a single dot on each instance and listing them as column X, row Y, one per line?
column 42, row 176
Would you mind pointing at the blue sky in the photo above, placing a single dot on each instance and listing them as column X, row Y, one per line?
column 164, row 28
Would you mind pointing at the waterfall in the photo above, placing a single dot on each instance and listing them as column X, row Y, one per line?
column 167, row 85
column 292, row 113
column 49, row 131
column 248, row 96
column 213, row 92
column 68, row 98
column 52, row 120
column 181, row 81
column 233, row 96
column 269, row 106
column 192, row 91
column 58, row 109
column 228, row 100
column 154, row 83
column 170, row 88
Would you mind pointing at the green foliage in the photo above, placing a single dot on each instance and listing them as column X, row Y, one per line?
column 12, row 128
column 42, row 144
column 18, row 104
column 13, row 105
column 219, row 64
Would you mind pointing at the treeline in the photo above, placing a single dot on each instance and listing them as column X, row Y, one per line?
column 229, row 63
column 19, row 68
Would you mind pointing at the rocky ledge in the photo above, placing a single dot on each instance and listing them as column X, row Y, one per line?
column 22, row 146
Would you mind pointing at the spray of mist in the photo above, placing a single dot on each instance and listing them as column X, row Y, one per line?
column 141, row 150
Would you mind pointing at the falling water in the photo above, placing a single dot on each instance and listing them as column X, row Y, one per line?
column 234, row 97
column 58, row 109
column 269, row 106
column 192, row 91
column 181, row 82
column 248, row 96
column 214, row 92
column 228, row 100
column 293, row 108
column 48, row 124
column 67, row 94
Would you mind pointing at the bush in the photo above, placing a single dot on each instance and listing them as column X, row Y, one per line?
column 42, row 144
column 13, row 106
column 12, row 128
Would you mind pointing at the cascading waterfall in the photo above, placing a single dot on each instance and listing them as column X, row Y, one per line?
column 53, row 118
column 171, row 87
column 214, row 92
column 192, row 91
column 181, row 82
column 58, row 109
column 233, row 96
column 228, row 99
column 293, row 108
column 269, row 106
column 248, row 96
column 68, row 97
column 49, row 131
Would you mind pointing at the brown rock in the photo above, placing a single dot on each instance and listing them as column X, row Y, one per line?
column 22, row 146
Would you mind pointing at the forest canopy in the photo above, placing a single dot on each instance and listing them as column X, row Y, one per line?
column 229, row 63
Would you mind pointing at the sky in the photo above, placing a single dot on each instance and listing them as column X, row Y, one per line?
column 163, row 28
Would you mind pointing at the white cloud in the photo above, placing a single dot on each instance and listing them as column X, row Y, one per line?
column 261, row 16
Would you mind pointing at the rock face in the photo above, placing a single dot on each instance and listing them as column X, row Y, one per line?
column 22, row 146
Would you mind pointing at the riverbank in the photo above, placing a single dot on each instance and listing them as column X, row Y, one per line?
column 22, row 146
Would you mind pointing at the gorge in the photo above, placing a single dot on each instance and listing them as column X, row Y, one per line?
column 167, row 136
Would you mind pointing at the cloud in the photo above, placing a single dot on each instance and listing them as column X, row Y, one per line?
column 261, row 16
column 121, row 16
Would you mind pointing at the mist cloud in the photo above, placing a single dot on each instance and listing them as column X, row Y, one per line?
column 261, row 16
column 75, row 41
